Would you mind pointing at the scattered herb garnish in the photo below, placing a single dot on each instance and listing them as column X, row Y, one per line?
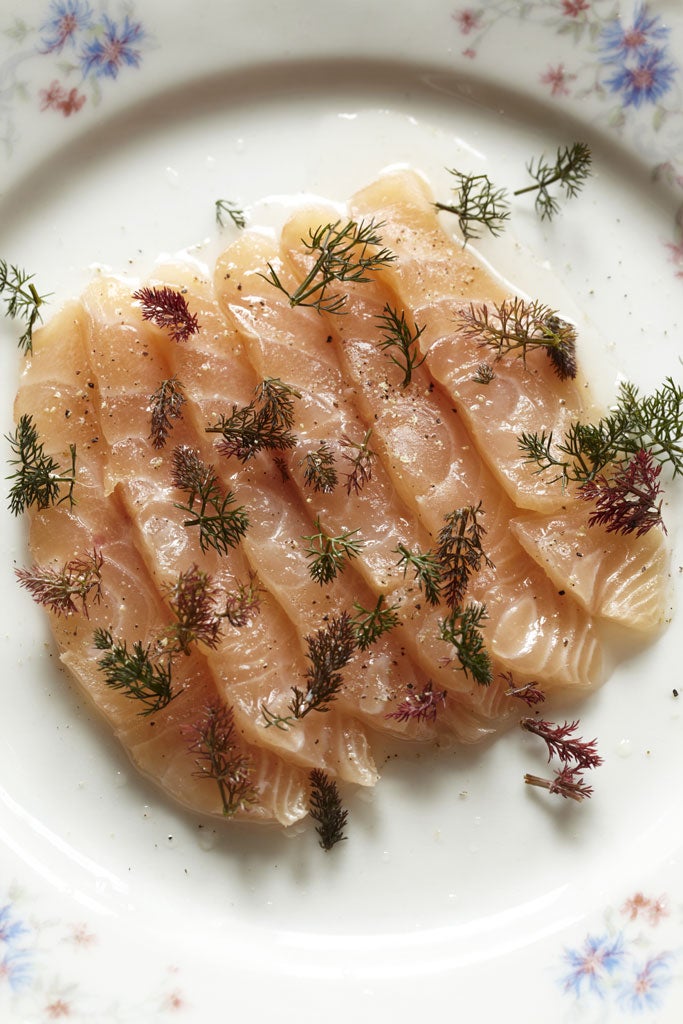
column 39, row 479
column 426, row 570
column 528, row 692
column 370, row 625
column 319, row 469
column 516, row 325
column 165, row 405
column 567, row 782
column 478, row 204
column 66, row 590
column 575, row 754
column 361, row 457
column 218, row 758
column 571, row 168
column 167, row 308
column 140, row 673
column 193, row 599
column 225, row 208
column 329, row 555
column 326, row 808
column 342, row 252
column 483, row 374
column 221, row 526
column 627, row 502
column 22, row 301
column 420, row 705
column 264, row 424
column 243, row 603
column 401, row 341
column 459, row 552
column 461, row 630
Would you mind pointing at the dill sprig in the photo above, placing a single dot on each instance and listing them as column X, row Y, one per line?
column 320, row 472
column 652, row 422
column 478, row 204
column 38, row 479
column 167, row 308
column 244, row 602
column 221, row 526
column 165, row 405
column 401, row 341
column 22, row 301
column 329, row 555
column 420, row 705
column 68, row 589
column 483, row 374
column 342, row 252
column 361, row 456
column 264, row 424
column 461, row 630
column 326, row 809
column 571, row 168
column 370, row 624
column 459, row 553
column 219, row 759
column 193, row 599
column 517, row 325
column 426, row 571
column 138, row 672
column 228, row 210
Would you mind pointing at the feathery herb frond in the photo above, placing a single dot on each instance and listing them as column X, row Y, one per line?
column 478, row 204
column 329, row 555
column 227, row 210
column 570, row 170
column 22, row 301
column 165, row 405
column 218, row 758
column 168, row 309
column 221, row 526
column 326, row 809
column 461, row 629
column 264, row 424
column 401, row 341
column 38, row 479
column 66, row 590
column 138, row 672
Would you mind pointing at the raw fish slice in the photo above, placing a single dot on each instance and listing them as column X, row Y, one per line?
column 552, row 639
column 243, row 664
column 436, row 278
column 58, row 391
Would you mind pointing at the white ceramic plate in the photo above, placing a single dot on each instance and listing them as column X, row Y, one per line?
column 460, row 892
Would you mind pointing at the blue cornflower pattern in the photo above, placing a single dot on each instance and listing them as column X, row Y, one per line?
column 645, row 33
column 644, row 81
column 644, row 987
column 593, row 963
column 641, row 70
column 66, row 18
column 10, row 928
column 116, row 47
column 15, row 958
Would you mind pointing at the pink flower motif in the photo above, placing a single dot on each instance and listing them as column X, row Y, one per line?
column 469, row 53
column 573, row 8
column 676, row 256
column 58, row 1009
column 57, row 98
column 80, row 936
column 557, row 78
column 633, row 906
column 657, row 910
column 174, row 1001
column 467, row 20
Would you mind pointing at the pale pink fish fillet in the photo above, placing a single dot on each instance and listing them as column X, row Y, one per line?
column 436, row 278
column 518, row 399
column 375, row 678
column 246, row 669
column 421, row 440
column 620, row 578
column 57, row 389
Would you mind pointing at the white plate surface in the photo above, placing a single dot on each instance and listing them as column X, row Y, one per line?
column 460, row 892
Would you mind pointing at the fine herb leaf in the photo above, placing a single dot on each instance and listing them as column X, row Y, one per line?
column 426, row 570
column 227, row 210
column 361, row 456
column 516, row 325
column 571, row 168
column 38, row 479
column 567, row 782
column 483, row 374
column 563, row 744
column 66, row 590
column 167, row 308
column 401, row 342
column 459, row 552
column 138, row 673
column 461, row 629
column 325, row 807
column 626, row 502
column 478, row 205
column 193, row 599
column 221, row 526
column 370, row 625
column 264, row 424
column 22, row 301
column 329, row 555
column 319, row 469
column 420, row 706
column 165, row 405
column 341, row 252
column 218, row 758
column 244, row 602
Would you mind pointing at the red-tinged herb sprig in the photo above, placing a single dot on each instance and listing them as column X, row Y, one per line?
column 527, row 692
column 226, row 210
column 221, row 524
column 478, row 205
column 570, row 170
column 244, row 602
column 326, row 809
column 38, row 479
column 328, row 556
column 361, row 457
column 626, row 502
column 193, row 598
column 400, row 341
column 370, row 624
column 462, row 630
column 567, row 782
column 219, row 759
column 341, row 252
column 519, row 326
column 330, row 649
column 68, row 589
column 420, row 705
column 165, row 404
column 139, row 672
column 563, row 744
column 320, row 471
column 167, row 308
column 264, row 424
column 22, row 301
